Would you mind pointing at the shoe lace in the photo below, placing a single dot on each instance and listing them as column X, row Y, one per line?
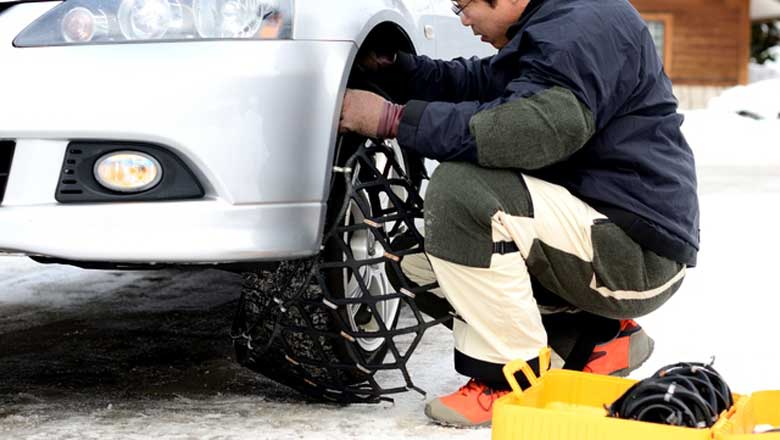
column 472, row 386
column 480, row 389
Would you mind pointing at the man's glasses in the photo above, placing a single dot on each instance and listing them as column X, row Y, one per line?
column 457, row 9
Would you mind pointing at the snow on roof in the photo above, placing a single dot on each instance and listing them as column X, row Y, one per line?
column 764, row 9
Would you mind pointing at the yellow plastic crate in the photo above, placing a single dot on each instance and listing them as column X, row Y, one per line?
column 569, row 405
column 760, row 408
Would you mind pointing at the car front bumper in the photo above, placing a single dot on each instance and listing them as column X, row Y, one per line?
column 256, row 122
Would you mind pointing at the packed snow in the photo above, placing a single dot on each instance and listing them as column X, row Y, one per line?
column 728, row 308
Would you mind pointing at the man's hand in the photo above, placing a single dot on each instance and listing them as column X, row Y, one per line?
column 362, row 113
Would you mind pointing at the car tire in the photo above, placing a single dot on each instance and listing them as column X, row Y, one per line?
column 323, row 325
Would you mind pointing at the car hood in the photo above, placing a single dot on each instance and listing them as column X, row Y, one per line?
column 7, row 4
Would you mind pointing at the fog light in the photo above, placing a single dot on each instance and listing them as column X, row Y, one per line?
column 128, row 171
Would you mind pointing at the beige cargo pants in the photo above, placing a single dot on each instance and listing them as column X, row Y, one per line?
column 473, row 215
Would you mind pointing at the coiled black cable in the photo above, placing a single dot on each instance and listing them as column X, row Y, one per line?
column 685, row 394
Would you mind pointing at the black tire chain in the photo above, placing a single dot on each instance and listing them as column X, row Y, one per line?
column 292, row 304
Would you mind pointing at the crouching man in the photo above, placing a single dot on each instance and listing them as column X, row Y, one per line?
column 563, row 175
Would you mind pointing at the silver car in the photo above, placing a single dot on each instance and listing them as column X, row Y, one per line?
column 150, row 133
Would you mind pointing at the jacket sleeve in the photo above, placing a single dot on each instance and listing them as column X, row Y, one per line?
column 542, row 118
column 434, row 80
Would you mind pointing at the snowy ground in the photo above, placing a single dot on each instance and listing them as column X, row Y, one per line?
column 70, row 368
column 728, row 304
column 72, row 365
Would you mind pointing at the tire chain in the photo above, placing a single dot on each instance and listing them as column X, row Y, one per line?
column 299, row 294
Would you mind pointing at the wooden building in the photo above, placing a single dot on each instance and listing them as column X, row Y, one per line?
column 705, row 44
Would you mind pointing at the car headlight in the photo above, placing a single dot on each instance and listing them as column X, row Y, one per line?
column 117, row 21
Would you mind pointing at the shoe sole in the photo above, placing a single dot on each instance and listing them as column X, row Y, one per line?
column 453, row 424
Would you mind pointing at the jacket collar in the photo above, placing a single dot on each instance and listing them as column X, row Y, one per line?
column 532, row 7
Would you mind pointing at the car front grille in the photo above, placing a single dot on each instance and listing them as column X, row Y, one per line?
column 6, row 154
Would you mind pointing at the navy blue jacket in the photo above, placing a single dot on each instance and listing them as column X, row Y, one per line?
column 578, row 98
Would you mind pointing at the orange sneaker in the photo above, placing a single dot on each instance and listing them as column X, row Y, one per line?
column 469, row 407
column 626, row 352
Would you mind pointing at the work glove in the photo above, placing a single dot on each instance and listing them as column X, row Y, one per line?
column 370, row 115
column 371, row 61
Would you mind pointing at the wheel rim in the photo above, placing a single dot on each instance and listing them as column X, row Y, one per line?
column 364, row 246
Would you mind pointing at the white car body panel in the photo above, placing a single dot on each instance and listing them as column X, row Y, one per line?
column 255, row 121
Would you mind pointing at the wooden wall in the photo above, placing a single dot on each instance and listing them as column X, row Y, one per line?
column 710, row 39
